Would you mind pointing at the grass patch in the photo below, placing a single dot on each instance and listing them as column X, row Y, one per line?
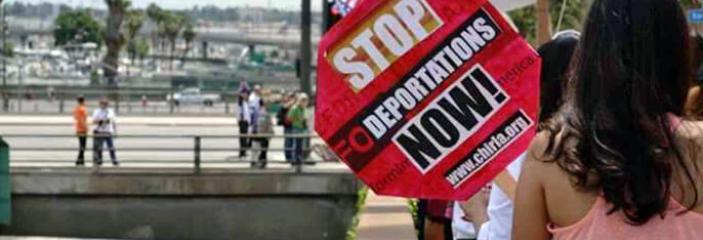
column 360, row 202
column 414, row 210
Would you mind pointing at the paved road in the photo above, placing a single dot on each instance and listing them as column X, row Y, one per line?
column 134, row 152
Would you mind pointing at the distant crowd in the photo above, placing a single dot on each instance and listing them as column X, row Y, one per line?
column 256, row 127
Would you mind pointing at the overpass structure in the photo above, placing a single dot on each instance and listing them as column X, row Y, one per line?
column 262, row 35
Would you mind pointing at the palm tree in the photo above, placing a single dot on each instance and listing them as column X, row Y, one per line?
column 172, row 27
column 188, row 36
column 114, row 39
column 156, row 15
column 141, row 49
column 135, row 21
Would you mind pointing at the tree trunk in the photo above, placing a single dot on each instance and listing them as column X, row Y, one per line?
column 185, row 53
column 155, row 47
column 113, row 42
column 162, row 54
column 171, row 58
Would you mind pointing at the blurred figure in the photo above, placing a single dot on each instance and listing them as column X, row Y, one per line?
column 28, row 95
column 104, row 119
column 80, row 116
column 145, row 102
column 254, row 102
column 50, row 93
column 243, row 121
column 299, row 126
column 261, row 143
column 282, row 117
column 435, row 219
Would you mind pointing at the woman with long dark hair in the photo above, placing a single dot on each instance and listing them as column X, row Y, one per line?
column 618, row 161
column 556, row 55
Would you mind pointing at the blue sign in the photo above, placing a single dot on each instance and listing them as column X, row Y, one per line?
column 695, row 15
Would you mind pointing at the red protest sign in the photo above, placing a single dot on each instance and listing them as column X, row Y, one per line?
column 426, row 98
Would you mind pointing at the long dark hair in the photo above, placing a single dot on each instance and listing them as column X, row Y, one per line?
column 630, row 75
column 556, row 56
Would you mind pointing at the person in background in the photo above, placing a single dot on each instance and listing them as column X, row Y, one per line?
column 282, row 117
column 694, row 102
column 80, row 116
column 299, row 126
column 436, row 219
column 254, row 101
column 50, row 93
column 104, row 132
column 618, row 161
column 243, row 121
column 261, row 143
column 145, row 102
column 556, row 58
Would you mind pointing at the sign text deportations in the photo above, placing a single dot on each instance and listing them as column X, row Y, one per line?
column 426, row 98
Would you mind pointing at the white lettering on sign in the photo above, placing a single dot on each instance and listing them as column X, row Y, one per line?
column 388, row 35
column 437, row 68
column 450, row 119
column 491, row 146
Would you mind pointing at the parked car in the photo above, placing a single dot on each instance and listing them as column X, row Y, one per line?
column 193, row 96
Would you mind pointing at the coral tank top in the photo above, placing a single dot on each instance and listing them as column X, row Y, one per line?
column 598, row 225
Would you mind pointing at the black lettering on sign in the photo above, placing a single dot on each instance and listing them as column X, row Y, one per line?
column 440, row 127
column 451, row 119
column 420, row 146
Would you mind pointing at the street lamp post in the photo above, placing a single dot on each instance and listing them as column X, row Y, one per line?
column 5, row 102
column 305, row 47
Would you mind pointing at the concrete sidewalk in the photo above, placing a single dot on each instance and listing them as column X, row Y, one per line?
column 385, row 218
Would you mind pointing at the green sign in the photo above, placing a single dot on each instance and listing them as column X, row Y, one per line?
column 4, row 183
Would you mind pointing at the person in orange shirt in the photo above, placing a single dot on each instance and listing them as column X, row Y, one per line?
column 81, row 118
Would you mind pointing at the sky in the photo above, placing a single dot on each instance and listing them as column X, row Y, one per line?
column 181, row 4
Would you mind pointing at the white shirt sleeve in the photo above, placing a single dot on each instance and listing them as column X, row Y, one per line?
column 254, row 102
column 96, row 114
column 500, row 207
column 111, row 115
column 113, row 118
column 484, row 231
column 461, row 228
column 245, row 112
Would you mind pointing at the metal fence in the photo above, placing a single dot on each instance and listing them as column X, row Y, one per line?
column 130, row 101
column 312, row 154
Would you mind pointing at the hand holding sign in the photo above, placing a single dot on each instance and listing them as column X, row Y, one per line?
column 426, row 98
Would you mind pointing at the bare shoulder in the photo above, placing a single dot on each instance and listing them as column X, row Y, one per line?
column 689, row 135
column 538, row 160
column 691, row 132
